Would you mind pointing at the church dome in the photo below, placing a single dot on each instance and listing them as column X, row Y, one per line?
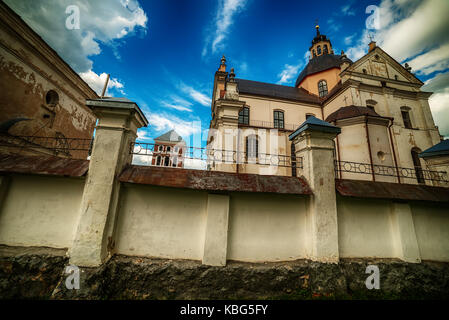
column 321, row 63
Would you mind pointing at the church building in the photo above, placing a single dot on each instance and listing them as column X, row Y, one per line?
column 169, row 150
column 385, row 118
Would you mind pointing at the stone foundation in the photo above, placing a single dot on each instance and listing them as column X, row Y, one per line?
column 38, row 273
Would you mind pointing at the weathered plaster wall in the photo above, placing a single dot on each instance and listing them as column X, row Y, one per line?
column 266, row 227
column 161, row 222
column 40, row 211
column 364, row 228
column 29, row 68
column 432, row 231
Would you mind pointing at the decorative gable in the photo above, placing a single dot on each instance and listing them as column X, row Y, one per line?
column 379, row 64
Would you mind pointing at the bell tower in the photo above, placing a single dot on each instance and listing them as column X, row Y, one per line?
column 320, row 44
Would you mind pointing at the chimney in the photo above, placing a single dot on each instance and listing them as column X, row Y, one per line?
column 372, row 45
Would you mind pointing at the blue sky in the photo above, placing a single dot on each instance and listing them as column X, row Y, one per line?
column 163, row 53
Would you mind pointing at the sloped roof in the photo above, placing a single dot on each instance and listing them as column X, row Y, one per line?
column 213, row 180
column 170, row 136
column 45, row 165
column 439, row 149
column 321, row 63
column 392, row 191
column 316, row 124
column 276, row 91
column 350, row 112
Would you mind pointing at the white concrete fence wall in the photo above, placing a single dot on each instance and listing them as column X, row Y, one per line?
column 96, row 216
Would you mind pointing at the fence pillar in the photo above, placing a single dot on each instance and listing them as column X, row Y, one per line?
column 118, row 121
column 404, row 234
column 314, row 142
column 216, row 238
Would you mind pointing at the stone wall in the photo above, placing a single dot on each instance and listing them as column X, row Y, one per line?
column 38, row 273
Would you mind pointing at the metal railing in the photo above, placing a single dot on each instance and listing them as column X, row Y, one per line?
column 416, row 173
column 216, row 156
column 54, row 145
column 269, row 125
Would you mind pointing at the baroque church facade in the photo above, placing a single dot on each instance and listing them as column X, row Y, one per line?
column 384, row 116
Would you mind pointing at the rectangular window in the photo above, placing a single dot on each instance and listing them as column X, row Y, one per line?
column 252, row 147
column 279, row 119
column 406, row 119
column 244, row 116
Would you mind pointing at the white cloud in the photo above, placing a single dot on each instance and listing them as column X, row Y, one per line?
column 226, row 11
column 196, row 95
column 416, row 31
column 96, row 82
column 175, row 106
column 348, row 40
column 407, row 28
column 101, row 21
column 439, row 101
column 288, row 73
column 431, row 61
column 162, row 122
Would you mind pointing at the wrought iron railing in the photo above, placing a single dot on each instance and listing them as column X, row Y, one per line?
column 54, row 145
column 270, row 125
column 416, row 173
column 217, row 156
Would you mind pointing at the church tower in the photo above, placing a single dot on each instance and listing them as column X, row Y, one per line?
column 322, row 73
column 320, row 44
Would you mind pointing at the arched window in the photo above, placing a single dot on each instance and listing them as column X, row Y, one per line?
column 244, row 116
column 252, row 147
column 158, row 160
column 322, row 88
column 168, row 149
column 405, row 112
column 318, row 50
column 417, row 165
column 167, row 161
column 278, row 119
column 325, row 50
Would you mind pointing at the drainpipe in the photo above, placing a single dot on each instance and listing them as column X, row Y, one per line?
column 369, row 149
column 392, row 149
column 338, row 155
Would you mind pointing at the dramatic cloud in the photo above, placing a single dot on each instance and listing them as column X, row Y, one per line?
column 100, row 22
column 96, row 82
column 416, row 32
column 407, row 28
column 226, row 11
column 439, row 100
